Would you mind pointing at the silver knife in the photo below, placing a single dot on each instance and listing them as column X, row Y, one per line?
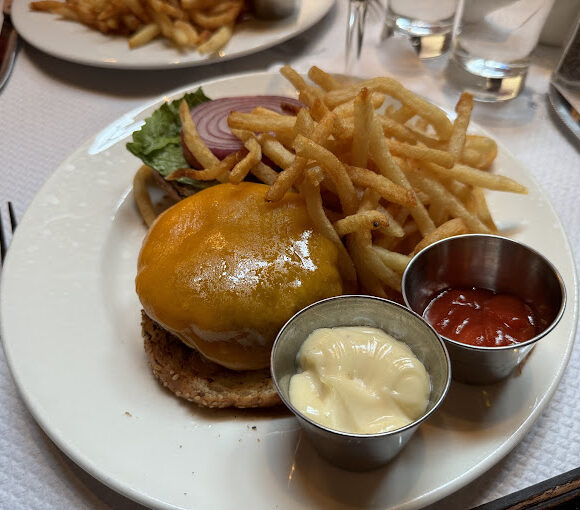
column 8, row 44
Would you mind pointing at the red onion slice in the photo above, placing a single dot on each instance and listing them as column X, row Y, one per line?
column 211, row 119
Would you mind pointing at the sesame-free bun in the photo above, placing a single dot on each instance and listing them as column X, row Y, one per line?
column 224, row 269
column 191, row 376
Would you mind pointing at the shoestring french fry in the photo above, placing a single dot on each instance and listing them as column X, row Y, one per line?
column 421, row 153
column 318, row 110
column 276, row 151
column 371, row 201
column 252, row 158
column 261, row 122
column 308, row 149
column 391, row 87
column 205, row 26
column 218, row 16
column 440, row 194
column 387, row 189
column 264, row 173
column 475, row 177
column 346, row 110
column 300, row 83
column 214, row 172
column 363, row 115
column 310, row 190
column 142, row 198
column 397, row 130
column 396, row 261
column 479, row 151
column 394, row 229
column 372, row 261
column 388, row 167
column 217, row 40
column 438, row 212
column 193, row 141
column 451, row 228
column 401, row 114
column 289, row 175
column 364, row 220
column 367, row 280
column 478, row 205
column 459, row 131
column 144, row 34
column 461, row 190
column 305, row 124
column 380, row 181
column 323, row 79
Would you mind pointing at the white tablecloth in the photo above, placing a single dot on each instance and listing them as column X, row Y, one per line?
column 49, row 107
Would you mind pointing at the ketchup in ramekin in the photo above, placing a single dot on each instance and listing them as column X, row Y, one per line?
column 481, row 317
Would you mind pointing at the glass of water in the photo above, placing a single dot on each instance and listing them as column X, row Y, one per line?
column 491, row 50
column 427, row 23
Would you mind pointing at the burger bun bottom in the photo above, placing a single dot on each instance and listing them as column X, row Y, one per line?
column 191, row 376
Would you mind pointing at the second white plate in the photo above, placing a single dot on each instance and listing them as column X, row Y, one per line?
column 78, row 43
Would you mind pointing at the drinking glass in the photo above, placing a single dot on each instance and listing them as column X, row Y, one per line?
column 491, row 50
column 427, row 23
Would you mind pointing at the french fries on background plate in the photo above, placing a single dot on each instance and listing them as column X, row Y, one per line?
column 383, row 172
column 204, row 25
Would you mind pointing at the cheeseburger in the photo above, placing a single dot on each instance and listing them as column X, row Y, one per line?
column 218, row 275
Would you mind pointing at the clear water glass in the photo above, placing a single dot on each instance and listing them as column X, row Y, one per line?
column 492, row 48
column 428, row 24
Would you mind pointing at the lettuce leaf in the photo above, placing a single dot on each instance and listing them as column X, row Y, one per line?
column 158, row 142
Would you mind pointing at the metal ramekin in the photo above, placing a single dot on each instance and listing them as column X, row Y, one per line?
column 351, row 451
column 495, row 263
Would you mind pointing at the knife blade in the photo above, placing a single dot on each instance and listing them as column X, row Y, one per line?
column 8, row 44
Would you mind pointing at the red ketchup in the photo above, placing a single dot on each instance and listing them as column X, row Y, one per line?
column 481, row 317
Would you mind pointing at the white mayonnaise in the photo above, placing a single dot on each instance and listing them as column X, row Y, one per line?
column 360, row 380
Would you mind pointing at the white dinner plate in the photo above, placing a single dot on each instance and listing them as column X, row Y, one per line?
column 71, row 333
column 78, row 43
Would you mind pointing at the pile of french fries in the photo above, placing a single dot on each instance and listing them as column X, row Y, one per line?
column 383, row 172
column 204, row 25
